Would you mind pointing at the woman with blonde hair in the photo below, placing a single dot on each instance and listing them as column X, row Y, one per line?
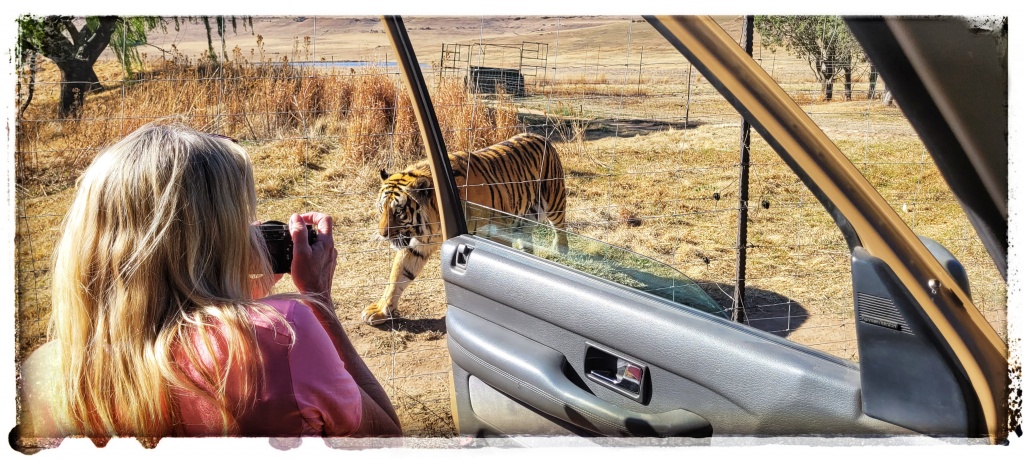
column 161, row 323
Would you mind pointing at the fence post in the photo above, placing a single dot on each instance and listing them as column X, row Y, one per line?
column 640, row 76
column 739, row 302
column 689, row 72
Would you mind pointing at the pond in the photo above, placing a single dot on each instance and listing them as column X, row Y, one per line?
column 349, row 64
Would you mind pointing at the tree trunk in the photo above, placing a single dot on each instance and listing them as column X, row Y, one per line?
column 828, row 74
column 887, row 99
column 872, row 82
column 31, row 82
column 848, row 85
column 78, row 79
column 75, row 57
column 209, row 40
column 222, row 31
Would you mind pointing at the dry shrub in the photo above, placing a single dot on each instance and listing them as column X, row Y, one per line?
column 382, row 129
column 371, row 117
column 469, row 122
column 506, row 120
column 408, row 141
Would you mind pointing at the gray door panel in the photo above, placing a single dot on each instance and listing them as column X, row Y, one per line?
column 522, row 326
column 538, row 376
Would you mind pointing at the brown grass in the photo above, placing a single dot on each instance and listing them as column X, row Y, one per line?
column 619, row 86
column 367, row 115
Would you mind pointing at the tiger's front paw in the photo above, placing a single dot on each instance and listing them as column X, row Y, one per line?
column 374, row 314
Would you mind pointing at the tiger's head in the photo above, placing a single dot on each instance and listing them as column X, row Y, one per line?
column 408, row 213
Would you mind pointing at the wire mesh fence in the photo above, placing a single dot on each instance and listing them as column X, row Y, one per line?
column 651, row 156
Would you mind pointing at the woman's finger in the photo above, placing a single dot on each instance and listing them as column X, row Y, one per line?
column 324, row 223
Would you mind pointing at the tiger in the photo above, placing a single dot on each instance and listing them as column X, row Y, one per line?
column 522, row 176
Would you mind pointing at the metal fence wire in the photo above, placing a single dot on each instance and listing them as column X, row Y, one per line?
column 650, row 150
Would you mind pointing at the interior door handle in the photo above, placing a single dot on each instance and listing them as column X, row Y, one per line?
column 535, row 374
column 625, row 376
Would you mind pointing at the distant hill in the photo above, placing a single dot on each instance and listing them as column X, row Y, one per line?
column 363, row 38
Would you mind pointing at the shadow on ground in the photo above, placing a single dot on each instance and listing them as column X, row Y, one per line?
column 564, row 129
column 765, row 310
column 415, row 326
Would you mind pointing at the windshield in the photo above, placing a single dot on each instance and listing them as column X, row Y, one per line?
column 590, row 256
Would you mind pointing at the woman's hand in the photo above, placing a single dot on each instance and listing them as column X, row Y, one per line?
column 313, row 266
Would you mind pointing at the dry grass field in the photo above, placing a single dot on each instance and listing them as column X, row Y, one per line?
column 650, row 152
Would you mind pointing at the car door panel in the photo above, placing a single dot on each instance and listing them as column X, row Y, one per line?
column 523, row 325
column 537, row 375
column 493, row 409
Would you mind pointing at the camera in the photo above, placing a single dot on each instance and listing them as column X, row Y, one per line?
column 279, row 244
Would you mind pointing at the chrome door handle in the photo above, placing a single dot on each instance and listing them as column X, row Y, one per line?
column 625, row 376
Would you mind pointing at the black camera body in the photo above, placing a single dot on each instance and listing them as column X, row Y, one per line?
column 279, row 244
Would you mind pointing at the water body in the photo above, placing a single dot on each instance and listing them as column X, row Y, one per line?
column 350, row 64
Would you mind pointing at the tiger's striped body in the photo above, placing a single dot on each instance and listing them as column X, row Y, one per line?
column 521, row 176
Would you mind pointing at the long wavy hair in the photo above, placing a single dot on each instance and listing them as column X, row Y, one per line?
column 155, row 263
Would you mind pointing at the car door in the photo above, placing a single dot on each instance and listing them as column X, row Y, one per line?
column 548, row 345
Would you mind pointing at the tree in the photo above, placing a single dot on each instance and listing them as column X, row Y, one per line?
column 823, row 41
column 74, row 45
column 221, row 24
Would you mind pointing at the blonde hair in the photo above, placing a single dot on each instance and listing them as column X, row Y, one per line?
column 155, row 261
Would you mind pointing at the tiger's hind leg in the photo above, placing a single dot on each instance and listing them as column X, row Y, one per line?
column 557, row 220
column 521, row 236
column 561, row 241
column 407, row 265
